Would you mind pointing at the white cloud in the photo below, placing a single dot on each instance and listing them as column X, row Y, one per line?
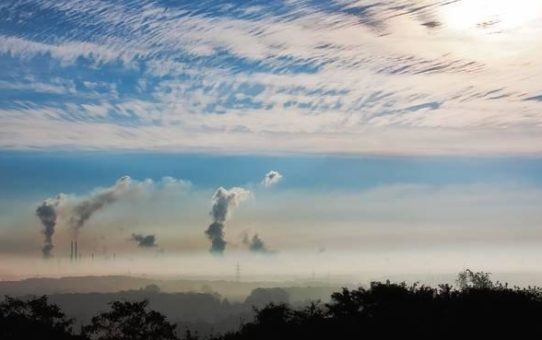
column 381, row 81
column 271, row 178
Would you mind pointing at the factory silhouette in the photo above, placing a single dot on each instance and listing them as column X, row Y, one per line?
column 76, row 255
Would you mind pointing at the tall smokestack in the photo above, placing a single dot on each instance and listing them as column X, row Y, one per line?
column 71, row 250
column 76, row 254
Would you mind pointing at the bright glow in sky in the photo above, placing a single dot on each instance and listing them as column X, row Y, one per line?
column 476, row 16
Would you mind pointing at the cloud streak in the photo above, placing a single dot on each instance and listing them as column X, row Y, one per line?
column 222, row 77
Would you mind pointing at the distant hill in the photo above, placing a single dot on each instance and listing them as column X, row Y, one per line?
column 232, row 290
column 205, row 306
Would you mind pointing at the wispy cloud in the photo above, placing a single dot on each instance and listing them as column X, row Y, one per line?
column 369, row 77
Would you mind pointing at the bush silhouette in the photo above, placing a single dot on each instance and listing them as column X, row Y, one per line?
column 262, row 296
column 479, row 308
column 35, row 318
column 469, row 279
column 130, row 321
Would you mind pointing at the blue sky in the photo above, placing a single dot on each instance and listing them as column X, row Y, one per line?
column 46, row 173
column 396, row 124
column 354, row 203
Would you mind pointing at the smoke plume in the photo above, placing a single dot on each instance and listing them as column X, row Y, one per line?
column 83, row 210
column 223, row 203
column 215, row 233
column 271, row 178
column 74, row 212
column 256, row 244
column 144, row 241
column 48, row 215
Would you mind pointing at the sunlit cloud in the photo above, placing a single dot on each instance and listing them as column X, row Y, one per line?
column 393, row 77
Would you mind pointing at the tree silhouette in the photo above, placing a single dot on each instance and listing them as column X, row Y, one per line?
column 478, row 308
column 477, row 280
column 260, row 297
column 130, row 321
column 35, row 318
column 189, row 336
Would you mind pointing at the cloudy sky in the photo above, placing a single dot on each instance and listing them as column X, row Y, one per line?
column 401, row 76
column 410, row 126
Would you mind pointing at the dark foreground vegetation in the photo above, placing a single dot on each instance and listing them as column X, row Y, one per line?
column 476, row 307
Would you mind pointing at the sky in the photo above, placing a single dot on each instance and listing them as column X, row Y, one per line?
column 406, row 134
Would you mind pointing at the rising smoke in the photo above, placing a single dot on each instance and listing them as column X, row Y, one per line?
column 47, row 213
column 215, row 233
column 223, row 203
column 74, row 212
column 83, row 210
column 144, row 241
column 256, row 244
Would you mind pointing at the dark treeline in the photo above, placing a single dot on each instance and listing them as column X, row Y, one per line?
column 476, row 307
column 204, row 313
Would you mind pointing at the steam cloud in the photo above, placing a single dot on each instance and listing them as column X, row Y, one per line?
column 256, row 244
column 271, row 178
column 47, row 213
column 144, row 241
column 223, row 202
